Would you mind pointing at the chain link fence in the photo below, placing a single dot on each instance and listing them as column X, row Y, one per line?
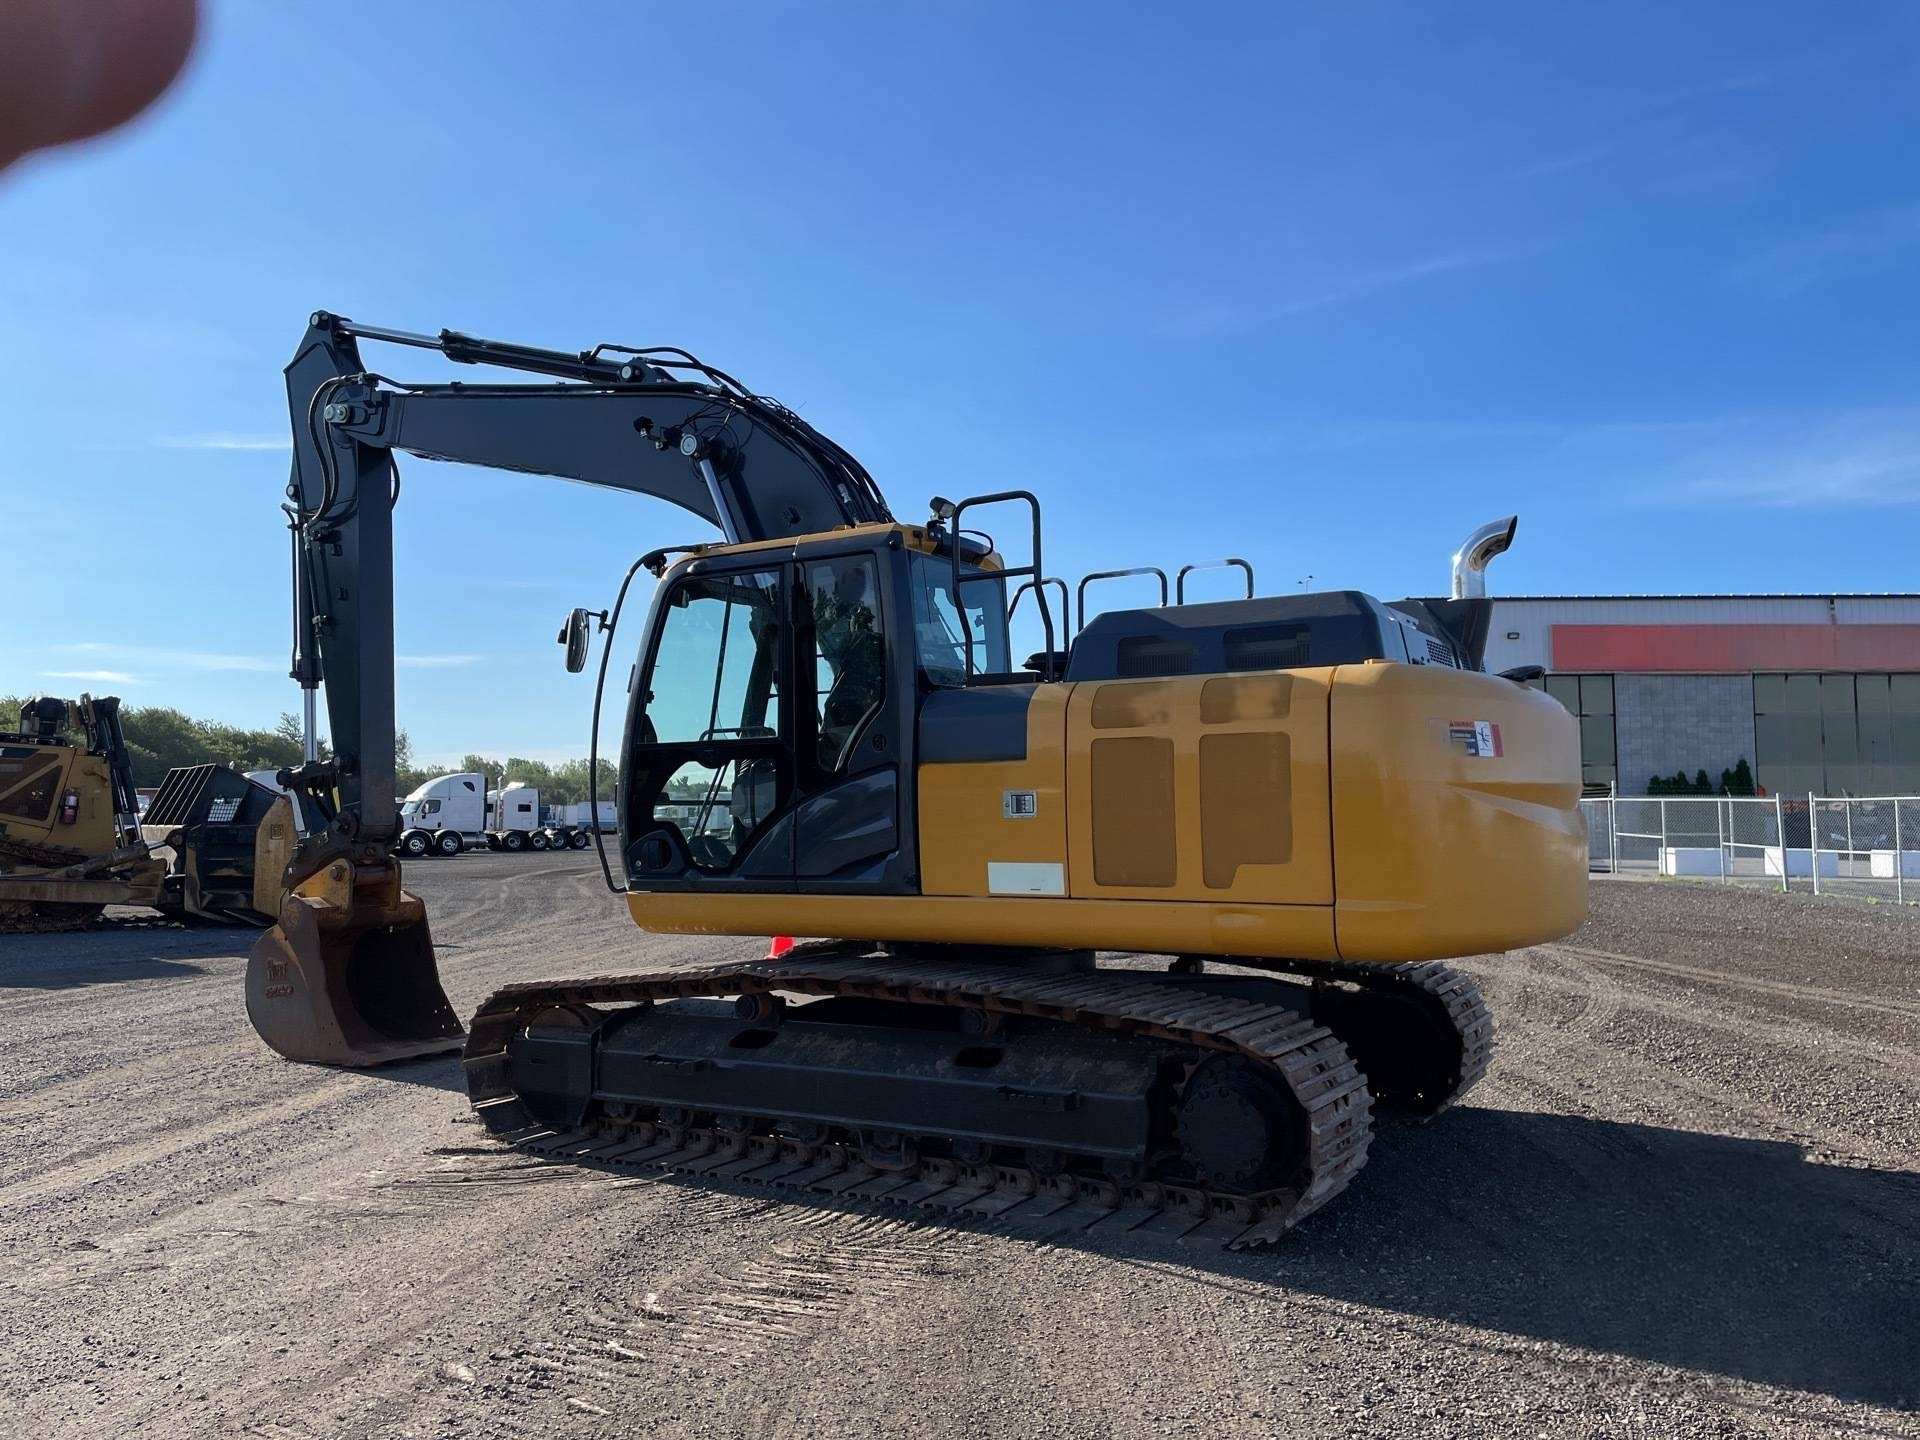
column 1861, row 845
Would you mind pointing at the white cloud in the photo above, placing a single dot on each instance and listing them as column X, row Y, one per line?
column 1794, row 264
column 1846, row 461
column 173, row 659
column 435, row 662
column 223, row 440
column 1830, row 472
column 1344, row 290
column 104, row 677
column 1560, row 164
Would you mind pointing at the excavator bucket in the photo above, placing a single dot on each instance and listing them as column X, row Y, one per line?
column 346, row 976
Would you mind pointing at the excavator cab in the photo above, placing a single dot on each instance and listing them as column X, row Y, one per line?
column 773, row 734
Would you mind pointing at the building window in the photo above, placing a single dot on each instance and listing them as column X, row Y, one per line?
column 1837, row 734
column 1589, row 698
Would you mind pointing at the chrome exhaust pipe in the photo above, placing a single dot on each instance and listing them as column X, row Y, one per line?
column 1476, row 552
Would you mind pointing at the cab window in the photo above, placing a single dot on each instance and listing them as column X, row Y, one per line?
column 942, row 641
column 714, row 681
column 713, row 674
column 849, row 654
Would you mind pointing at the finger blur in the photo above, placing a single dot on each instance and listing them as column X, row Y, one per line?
column 73, row 68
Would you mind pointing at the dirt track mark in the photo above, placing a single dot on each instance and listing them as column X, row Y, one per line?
column 824, row 1266
column 1812, row 994
column 122, row 1153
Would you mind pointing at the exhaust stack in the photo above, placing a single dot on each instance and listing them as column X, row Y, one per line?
column 1476, row 552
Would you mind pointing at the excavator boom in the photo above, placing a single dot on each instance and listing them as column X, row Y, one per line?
column 654, row 422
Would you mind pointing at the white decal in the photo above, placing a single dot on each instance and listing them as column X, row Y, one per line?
column 1007, row 877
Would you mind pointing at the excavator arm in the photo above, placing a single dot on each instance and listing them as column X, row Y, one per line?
column 347, row 976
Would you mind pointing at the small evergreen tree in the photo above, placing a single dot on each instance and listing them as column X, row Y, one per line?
column 1701, row 784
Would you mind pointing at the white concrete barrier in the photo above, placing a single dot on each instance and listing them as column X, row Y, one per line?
column 1690, row 860
column 1880, row 864
column 1797, row 864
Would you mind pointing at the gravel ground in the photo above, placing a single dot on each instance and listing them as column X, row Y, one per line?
column 1685, row 1202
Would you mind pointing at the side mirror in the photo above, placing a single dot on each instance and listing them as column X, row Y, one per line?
column 576, row 636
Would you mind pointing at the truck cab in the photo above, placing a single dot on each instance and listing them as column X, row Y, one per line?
column 513, row 818
column 443, row 815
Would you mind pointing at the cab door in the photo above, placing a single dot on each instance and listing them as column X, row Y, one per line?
column 854, row 720
column 710, row 766
column 770, row 727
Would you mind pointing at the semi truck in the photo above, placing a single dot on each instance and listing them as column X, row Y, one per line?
column 451, row 813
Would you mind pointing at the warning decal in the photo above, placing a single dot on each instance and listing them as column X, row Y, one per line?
column 1478, row 738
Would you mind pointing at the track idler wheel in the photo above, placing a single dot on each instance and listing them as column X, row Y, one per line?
column 346, row 976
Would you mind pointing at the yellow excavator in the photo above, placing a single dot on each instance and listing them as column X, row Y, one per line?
column 210, row 847
column 1140, row 930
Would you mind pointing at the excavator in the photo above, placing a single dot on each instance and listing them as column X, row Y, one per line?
column 210, row 847
column 1141, row 930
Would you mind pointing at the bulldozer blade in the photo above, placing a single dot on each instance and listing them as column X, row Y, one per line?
column 350, row 984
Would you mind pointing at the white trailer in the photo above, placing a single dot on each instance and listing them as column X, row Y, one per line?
column 582, row 815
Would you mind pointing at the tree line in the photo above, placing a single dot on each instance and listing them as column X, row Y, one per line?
column 159, row 738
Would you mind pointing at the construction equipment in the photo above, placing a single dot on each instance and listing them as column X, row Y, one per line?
column 1289, row 811
column 226, row 839
column 210, row 848
column 69, row 835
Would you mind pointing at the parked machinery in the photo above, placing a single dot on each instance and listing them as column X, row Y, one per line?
column 69, row 834
column 1301, row 805
column 211, row 846
column 226, row 841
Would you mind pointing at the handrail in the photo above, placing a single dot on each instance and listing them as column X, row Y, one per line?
column 1180, row 581
column 952, row 516
column 1080, row 598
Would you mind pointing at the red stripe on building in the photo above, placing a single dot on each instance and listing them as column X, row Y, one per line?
column 1736, row 648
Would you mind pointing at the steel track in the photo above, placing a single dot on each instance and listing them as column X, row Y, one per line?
column 1306, row 1057
column 21, row 917
column 1452, row 994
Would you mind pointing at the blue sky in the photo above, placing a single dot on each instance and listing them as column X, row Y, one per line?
column 1321, row 286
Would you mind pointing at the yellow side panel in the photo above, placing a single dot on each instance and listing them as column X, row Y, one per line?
column 1131, row 794
column 1201, row 788
column 967, row 838
column 1456, row 818
column 55, row 770
column 94, row 831
column 1166, row 928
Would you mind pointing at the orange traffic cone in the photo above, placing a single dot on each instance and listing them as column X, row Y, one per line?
column 780, row 946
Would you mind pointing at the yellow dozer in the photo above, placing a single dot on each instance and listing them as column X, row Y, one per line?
column 72, row 842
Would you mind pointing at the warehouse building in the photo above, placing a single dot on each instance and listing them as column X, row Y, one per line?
column 1819, row 693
